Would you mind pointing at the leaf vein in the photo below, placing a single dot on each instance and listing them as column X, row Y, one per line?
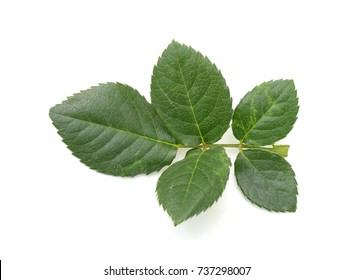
column 122, row 131
column 189, row 99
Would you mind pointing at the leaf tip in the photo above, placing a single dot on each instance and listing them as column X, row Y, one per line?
column 174, row 43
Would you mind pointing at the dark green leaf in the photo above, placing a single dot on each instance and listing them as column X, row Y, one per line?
column 266, row 114
column 193, row 184
column 190, row 95
column 267, row 180
column 114, row 130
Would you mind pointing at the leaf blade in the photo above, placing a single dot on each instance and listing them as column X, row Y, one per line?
column 185, row 189
column 112, row 128
column 190, row 95
column 267, row 180
column 266, row 114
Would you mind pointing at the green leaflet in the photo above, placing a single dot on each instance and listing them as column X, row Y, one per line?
column 266, row 114
column 191, row 96
column 111, row 128
column 267, row 180
column 193, row 184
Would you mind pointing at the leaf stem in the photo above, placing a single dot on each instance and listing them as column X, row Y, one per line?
column 278, row 149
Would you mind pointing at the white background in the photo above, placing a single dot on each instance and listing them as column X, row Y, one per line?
column 61, row 220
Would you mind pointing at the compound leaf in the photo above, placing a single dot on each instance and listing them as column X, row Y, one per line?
column 193, row 184
column 112, row 128
column 267, row 180
column 266, row 114
column 190, row 95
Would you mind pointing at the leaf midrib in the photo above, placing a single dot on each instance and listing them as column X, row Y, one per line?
column 260, row 119
column 189, row 98
column 190, row 181
column 120, row 130
column 266, row 180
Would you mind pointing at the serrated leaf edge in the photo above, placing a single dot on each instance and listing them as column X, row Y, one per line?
column 292, row 210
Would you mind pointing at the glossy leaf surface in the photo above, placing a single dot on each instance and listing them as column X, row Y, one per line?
column 190, row 95
column 266, row 114
column 193, row 184
column 267, row 180
column 112, row 128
